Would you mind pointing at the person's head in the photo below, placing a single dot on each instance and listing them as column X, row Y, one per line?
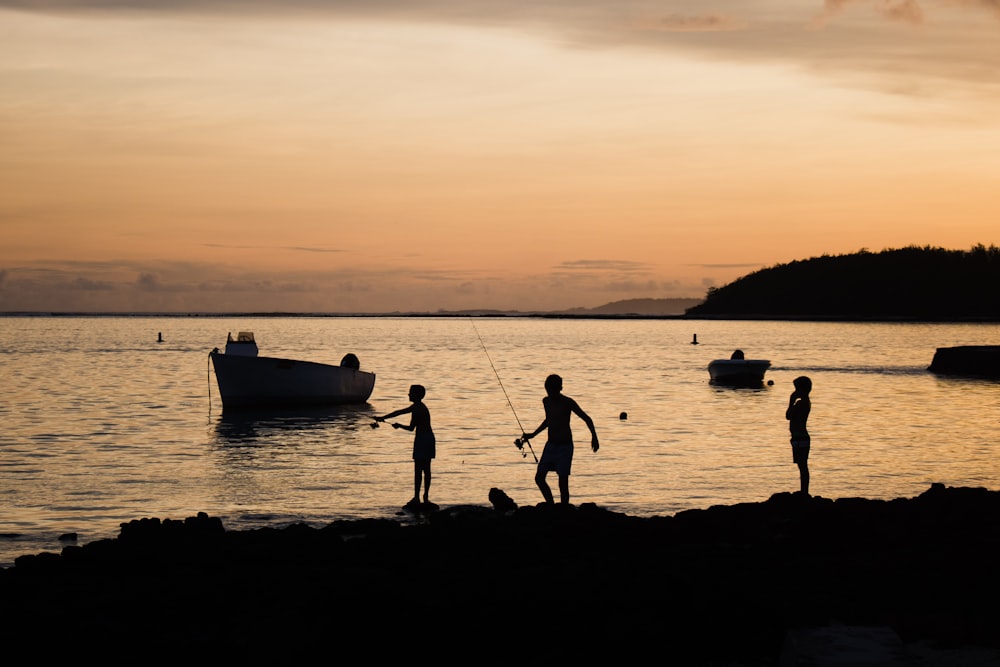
column 553, row 384
column 803, row 385
column 417, row 392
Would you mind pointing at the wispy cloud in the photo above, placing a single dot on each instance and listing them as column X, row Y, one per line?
column 602, row 265
column 690, row 23
column 319, row 250
column 742, row 265
column 188, row 286
column 747, row 31
column 232, row 246
column 904, row 11
column 90, row 285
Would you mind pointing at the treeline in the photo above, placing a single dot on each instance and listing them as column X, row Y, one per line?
column 913, row 283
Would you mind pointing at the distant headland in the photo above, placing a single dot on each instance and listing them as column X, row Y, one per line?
column 907, row 284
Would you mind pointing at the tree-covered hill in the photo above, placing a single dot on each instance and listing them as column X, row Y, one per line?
column 907, row 283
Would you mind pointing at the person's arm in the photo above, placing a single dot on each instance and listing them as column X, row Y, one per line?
column 541, row 427
column 395, row 413
column 790, row 412
column 594, row 444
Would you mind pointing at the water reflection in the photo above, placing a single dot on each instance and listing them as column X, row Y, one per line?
column 740, row 388
column 252, row 427
column 300, row 464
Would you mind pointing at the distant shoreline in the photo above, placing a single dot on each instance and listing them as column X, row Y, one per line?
column 518, row 315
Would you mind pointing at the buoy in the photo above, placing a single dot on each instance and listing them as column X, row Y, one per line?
column 694, row 341
column 160, row 338
column 623, row 416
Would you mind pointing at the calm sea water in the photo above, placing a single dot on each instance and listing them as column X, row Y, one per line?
column 102, row 424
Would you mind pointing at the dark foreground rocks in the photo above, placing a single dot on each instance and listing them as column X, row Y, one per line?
column 535, row 585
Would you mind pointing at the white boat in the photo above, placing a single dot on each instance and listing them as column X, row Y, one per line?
column 738, row 371
column 247, row 380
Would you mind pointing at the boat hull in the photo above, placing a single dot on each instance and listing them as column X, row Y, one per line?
column 968, row 360
column 258, row 382
column 738, row 372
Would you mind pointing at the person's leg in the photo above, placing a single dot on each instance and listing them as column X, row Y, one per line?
column 804, row 476
column 543, row 486
column 416, row 481
column 564, row 489
column 427, row 479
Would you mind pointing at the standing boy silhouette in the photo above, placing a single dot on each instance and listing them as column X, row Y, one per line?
column 797, row 414
column 424, row 443
column 558, row 452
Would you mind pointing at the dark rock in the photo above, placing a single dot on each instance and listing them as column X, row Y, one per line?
column 723, row 585
column 501, row 501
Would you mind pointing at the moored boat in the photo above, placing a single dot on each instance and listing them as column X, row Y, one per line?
column 738, row 371
column 247, row 380
column 970, row 360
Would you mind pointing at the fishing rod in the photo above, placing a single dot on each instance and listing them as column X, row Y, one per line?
column 522, row 441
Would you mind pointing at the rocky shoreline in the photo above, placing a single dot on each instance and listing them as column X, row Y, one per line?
column 494, row 585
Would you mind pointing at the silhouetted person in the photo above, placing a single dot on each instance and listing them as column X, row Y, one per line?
column 424, row 443
column 797, row 414
column 558, row 452
column 737, row 354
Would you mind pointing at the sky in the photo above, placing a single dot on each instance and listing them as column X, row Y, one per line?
column 397, row 155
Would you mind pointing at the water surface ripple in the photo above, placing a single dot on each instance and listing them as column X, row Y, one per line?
column 103, row 424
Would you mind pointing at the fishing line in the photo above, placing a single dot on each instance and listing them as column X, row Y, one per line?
column 520, row 442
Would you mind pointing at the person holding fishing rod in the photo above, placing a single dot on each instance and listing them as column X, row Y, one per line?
column 558, row 452
column 424, row 443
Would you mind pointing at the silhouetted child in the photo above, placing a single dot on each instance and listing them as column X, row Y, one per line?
column 424, row 443
column 558, row 452
column 797, row 414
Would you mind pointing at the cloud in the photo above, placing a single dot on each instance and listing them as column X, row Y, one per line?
column 129, row 286
column 904, row 11
column 907, row 11
column 148, row 282
column 307, row 249
column 230, row 246
column 740, row 265
column 91, row 285
column 602, row 265
column 634, row 287
column 690, row 23
column 873, row 50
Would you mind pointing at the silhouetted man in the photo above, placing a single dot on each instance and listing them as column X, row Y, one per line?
column 558, row 452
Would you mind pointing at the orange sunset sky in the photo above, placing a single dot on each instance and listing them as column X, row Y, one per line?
column 346, row 156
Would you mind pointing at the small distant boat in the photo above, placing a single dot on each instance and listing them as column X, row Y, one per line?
column 247, row 380
column 738, row 371
column 981, row 361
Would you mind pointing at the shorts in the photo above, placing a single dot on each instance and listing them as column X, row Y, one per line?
column 558, row 458
column 424, row 446
column 800, row 450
